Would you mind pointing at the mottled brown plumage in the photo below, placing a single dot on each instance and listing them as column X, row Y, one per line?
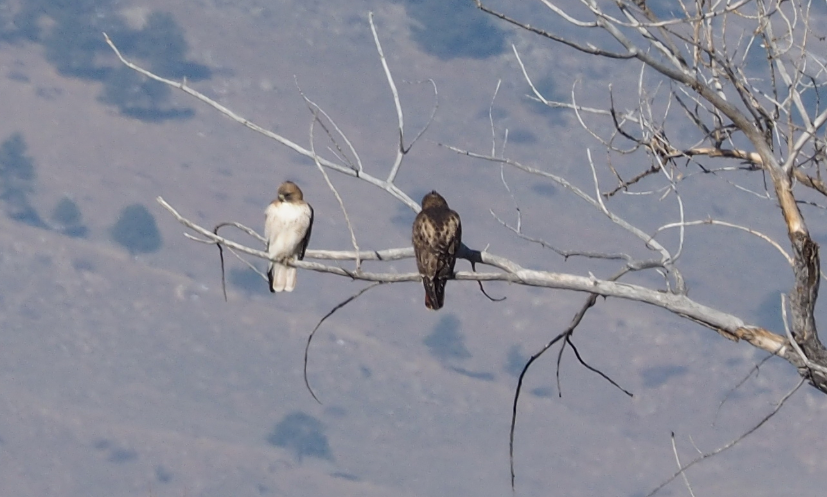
column 437, row 235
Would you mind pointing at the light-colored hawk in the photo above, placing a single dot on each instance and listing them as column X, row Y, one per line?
column 437, row 235
column 288, row 221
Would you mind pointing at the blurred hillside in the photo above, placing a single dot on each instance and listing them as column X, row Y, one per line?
column 124, row 372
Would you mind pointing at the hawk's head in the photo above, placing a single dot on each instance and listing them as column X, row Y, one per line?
column 432, row 200
column 290, row 192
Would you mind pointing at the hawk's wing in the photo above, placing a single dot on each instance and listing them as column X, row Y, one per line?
column 306, row 238
column 449, row 234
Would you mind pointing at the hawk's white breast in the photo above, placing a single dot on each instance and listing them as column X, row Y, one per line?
column 285, row 224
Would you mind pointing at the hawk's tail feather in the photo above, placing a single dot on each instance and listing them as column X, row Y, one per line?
column 434, row 293
column 282, row 278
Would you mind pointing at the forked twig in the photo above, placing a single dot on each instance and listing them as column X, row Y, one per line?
column 593, row 369
column 566, row 334
column 400, row 152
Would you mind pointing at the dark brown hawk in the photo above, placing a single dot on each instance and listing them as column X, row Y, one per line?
column 437, row 235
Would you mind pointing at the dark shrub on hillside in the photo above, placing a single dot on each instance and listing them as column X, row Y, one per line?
column 136, row 230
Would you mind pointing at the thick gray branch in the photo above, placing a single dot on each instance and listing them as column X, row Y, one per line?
column 728, row 325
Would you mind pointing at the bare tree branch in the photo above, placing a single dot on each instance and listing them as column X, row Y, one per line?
column 512, row 272
column 384, row 185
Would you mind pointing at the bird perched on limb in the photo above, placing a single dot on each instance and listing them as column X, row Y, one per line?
column 437, row 236
column 288, row 221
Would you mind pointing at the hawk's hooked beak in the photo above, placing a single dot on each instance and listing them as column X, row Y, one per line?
column 281, row 197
